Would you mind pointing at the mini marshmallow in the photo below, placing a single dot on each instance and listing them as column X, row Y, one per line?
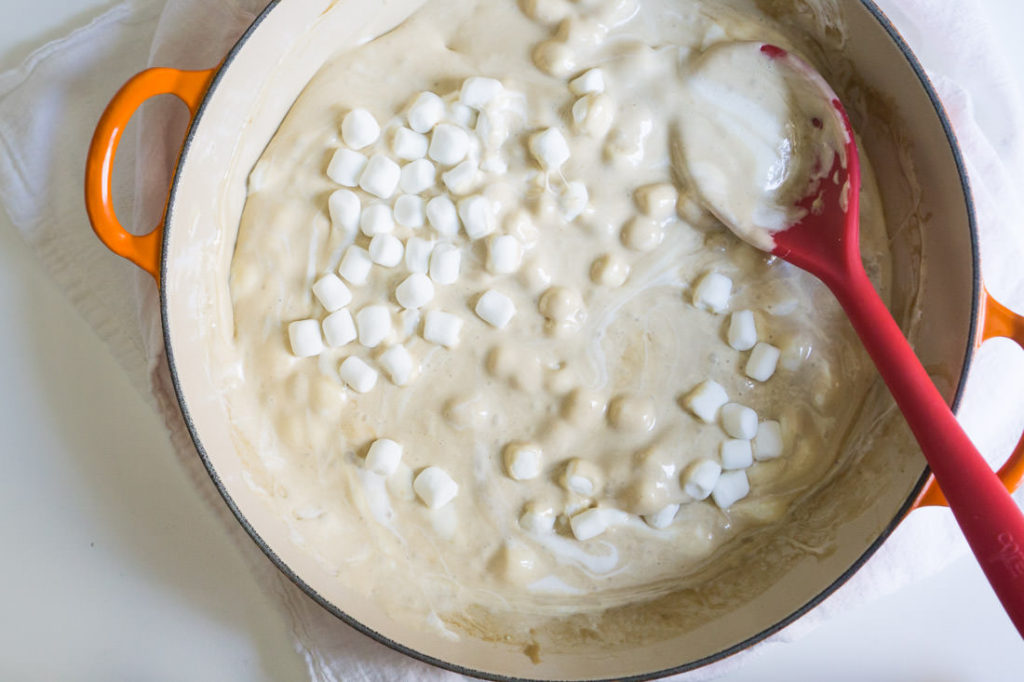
column 523, row 461
column 445, row 262
column 504, row 254
column 415, row 291
column 374, row 325
column 610, row 270
column 463, row 178
column 408, row 145
column 359, row 129
column 478, row 92
column 713, row 292
column 762, row 361
column 355, row 265
column 418, row 176
column 339, row 328
column 737, row 454
column 583, row 478
column 398, row 363
column 304, row 336
column 739, row 421
column 435, row 487
column 386, row 250
column 449, row 144
column 705, row 401
column 443, row 216
column 346, row 167
column 742, row 333
column 590, row 82
column 358, row 375
column 417, row 254
column 383, row 457
column 662, row 518
column 700, row 478
column 593, row 522
column 477, row 216
column 442, row 328
column 425, row 112
column 344, row 208
column 768, row 441
column 732, row 487
column 331, row 292
column 377, row 219
column 495, row 308
column 409, row 211
column 657, row 201
column 537, row 521
column 550, row 149
column 462, row 115
column 593, row 115
column 573, row 200
column 381, row 176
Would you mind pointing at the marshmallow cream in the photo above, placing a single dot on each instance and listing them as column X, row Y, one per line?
column 508, row 370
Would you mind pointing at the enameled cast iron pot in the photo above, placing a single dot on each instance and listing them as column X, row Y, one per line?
column 237, row 107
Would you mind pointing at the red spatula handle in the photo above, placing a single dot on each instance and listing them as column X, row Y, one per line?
column 990, row 519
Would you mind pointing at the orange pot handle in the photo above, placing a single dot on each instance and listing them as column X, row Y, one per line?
column 995, row 320
column 189, row 87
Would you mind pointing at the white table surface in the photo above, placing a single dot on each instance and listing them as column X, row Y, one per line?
column 114, row 571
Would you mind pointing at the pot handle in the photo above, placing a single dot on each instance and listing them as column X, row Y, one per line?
column 996, row 321
column 189, row 87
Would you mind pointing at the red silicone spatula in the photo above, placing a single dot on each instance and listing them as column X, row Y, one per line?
column 825, row 243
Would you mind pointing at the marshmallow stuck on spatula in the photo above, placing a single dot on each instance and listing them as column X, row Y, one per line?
column 435, row 487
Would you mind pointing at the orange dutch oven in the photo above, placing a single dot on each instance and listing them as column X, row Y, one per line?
column 938, row 297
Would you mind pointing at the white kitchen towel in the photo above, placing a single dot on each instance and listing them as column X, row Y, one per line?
column 49, row 106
